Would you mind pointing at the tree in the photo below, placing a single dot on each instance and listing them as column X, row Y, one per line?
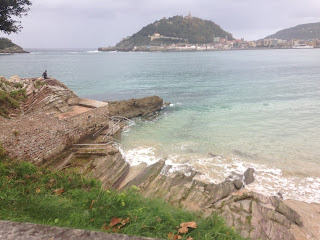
column 10, row 9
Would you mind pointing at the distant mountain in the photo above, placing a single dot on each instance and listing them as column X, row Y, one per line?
column 303, row 31
column 176, row 29
column 6, row 46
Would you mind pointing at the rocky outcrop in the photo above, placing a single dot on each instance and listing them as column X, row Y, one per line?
column 139, row 107
column 6, row 46
column 253, row 215
column 310, row 216
column 42, row 95
column 29, row 231
column 257, row 216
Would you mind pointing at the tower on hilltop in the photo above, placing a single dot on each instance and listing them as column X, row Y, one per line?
column 189, row 15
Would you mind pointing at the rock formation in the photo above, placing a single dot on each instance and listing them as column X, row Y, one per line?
column 58, row 130
column 135, row 107
column 25, row 231
column 6, row 46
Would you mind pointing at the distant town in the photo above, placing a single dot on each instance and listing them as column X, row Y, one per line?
column 219, row 43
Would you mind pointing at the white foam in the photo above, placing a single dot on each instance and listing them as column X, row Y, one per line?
column 269, row 181
column 94, row 51
column 140, row 155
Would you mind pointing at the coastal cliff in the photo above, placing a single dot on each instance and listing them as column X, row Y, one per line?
column 6, row 46
column 54, row 128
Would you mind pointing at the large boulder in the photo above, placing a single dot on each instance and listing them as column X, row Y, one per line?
column 135, row 107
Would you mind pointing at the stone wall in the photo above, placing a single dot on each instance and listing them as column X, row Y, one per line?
column 38, row 137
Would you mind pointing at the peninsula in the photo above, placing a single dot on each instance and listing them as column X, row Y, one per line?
column 7, row 46
column 190, row 33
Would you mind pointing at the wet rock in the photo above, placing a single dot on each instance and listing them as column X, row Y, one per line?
column 248, row 176
column 238, row 183
column 135, row 107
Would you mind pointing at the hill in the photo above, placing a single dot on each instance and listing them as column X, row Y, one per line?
column 303, row 31
column 176, row 29
column 6, row 46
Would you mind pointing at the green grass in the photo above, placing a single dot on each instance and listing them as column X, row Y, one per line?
column 11, row 100
column 29, row 194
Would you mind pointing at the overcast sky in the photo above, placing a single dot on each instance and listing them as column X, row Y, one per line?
column 96, row 23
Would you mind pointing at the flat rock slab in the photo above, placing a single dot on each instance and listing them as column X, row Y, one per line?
column 29, row 231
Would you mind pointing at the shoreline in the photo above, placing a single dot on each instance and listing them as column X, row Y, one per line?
column 61, row 148
column 114, row 49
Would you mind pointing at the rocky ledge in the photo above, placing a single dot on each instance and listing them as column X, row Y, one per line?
column 132, row 108
column 28, row 231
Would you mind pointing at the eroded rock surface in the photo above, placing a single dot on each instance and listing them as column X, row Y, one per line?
column 29, row 231
column 257, row 216
column 135, row 107
column 253, row 215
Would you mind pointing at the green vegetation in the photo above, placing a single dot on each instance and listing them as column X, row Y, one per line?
column 304, row 31
column 39, row 84
column 6, row 43
column 11, row 100
column 31, row 194
column 7, row 46
column 194, row 30
column 10, row 10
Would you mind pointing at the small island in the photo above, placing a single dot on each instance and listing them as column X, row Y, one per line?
column 7, row 46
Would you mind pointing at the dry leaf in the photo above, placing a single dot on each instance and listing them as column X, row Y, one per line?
column 125, row 221
column 189, row 238
column 114, row 221
column 144, row 226
column 58, row 191
column 188, row 224
column 176, row 237
column 170, row 236
column 38, row 190
column 92, row 220
column 92, row 204
column 183, row 230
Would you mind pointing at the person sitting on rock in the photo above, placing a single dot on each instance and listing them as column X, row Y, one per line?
column 45, row 75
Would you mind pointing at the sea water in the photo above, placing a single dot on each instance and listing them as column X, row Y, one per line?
column 229, row 110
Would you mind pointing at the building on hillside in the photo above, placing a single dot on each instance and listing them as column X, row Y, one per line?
column 189, row 16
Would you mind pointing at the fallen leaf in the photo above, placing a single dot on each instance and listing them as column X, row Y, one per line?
column 183, row 230
column 92, row 204
column 176, row 237
column 189, row 224
column 125, row 221
column 144, row 226
column 38, row 190
column 170, row 236
column 189, row 238
column 92, row 220
column 58, row 191
column 114, row 221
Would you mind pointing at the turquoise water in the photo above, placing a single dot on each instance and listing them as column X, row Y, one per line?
column 229, row 110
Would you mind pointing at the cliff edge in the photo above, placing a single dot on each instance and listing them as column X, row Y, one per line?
column 7, row 46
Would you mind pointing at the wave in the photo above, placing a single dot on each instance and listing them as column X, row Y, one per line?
column 94, row 51
column 214, row 169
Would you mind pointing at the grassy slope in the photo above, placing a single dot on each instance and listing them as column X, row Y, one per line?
column 30, row 194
